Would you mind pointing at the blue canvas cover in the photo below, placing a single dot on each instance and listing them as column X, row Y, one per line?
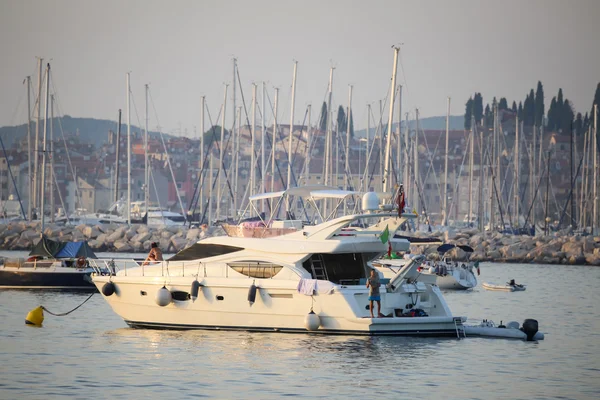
column 76, row 250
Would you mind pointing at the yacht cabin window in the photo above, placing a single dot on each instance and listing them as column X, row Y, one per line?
column 256, row 269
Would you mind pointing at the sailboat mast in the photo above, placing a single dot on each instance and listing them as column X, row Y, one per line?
column 445, row 209
column 347, row 171
column 291, row 134
column 480, row 203
column 367, row 154
column 416, row 155
column 201, row 197
column 221, row 151
column 387, row 173
column 308, row 143
column 274, row 141
column 210, row 188
column 595, row 163
column 44, row 148
column 328, row 134
column 128, row 110
column 117, row 156
column 146, row 171
column 37, row 137
column 399, row 141
column 29, row 170
column 471, row 156
column 252, row 141
column 236, row 159
column 52, row 158
column 263, row 138
column 407, row 154
column 517, row 162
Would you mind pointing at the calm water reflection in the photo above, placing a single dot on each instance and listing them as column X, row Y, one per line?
column 92, row 354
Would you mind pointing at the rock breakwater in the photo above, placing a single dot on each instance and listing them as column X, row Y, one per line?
column 105, row 237
column 554, row 249
column 494, row 246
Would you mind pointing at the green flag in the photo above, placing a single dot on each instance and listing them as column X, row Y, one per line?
column 385, row 235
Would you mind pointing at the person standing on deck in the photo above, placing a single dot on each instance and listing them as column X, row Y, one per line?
column 373, row 284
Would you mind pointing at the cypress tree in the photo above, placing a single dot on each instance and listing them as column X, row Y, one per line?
column 539, row 104
column 514, row 107
column 579, row 125
column 341, row 120
column 520, row 111
column 503, row 105
column 596, row 101
column 552, row 115
column 488, row 116
column 566, row 117
column 468, row 113
column 323, row 118
column 478, row 108
column 530, row 117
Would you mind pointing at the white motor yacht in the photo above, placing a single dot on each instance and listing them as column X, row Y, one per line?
column 311, row 280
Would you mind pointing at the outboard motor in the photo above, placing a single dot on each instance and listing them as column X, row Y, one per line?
column 530, row 327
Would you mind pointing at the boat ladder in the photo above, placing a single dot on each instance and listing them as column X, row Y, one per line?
column 318, row 269
column 458, row 325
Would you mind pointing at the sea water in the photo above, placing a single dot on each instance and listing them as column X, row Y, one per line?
column 91, row 353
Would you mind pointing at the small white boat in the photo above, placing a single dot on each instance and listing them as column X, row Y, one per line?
column 529, row 330
column 508, row 287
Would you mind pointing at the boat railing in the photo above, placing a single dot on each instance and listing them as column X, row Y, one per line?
column 176, row 268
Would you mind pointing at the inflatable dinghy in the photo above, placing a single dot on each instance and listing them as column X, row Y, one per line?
column 529, row 330
column 504, row 288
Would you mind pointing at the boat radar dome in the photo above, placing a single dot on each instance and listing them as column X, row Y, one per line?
column 370, row 202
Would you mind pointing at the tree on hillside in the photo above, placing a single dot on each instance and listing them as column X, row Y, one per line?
column 213, row 134
column 579, row 130
column 596, row 101
column 468, row 113
column 341, row 120
column 552, row 117
column 323, row 118
column 567, row 117
column 539, row 104
column 529, row 109
column 514, row 107
column 520, row 111
column 478, row 108
column 488, row 116
column 503, row 104
column 559, row 99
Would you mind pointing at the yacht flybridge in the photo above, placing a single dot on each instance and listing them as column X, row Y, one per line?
column 311, row 280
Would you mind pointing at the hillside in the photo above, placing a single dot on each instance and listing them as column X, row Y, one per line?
column 90, row 130
column 431, row 123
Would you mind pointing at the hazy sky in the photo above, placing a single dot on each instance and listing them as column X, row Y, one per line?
column 184, row 49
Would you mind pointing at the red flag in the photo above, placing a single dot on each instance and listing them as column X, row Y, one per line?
column 389, row 249
column 400, row 200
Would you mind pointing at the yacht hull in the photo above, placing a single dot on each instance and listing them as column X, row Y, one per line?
column 277, row 308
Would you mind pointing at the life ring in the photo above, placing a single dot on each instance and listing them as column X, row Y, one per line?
column 81, row 262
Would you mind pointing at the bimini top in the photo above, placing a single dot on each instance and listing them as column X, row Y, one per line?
column 446, row 247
